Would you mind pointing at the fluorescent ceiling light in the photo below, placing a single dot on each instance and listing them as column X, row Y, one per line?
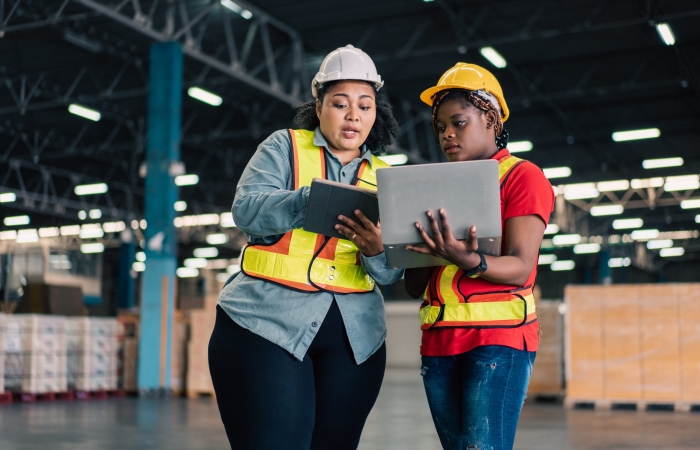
column 566, row 239
column 113, row 227
column 91, row 233
column 645, row 235
column 49, row 232
column 632, row 135
column 558, row 266
column 14, row 221
column 697, row 218
column 547, row 244
column 580, row 191
column 493, row 57
column 615, row 185
column 70, row 230
column 186, row 180
column 143, row 224
column 673, row 251
column 237, row 9
column 138, row 266
column 92, row 248
column 197, row 220
column 647, row 183
column 187, row 272
column 626, row 224
column 30, row 235
column 682, row 183
column 82, row 215
column 206, row 252
column 546, row 259
column 586, row 248
column 84, row 112
column 226, row 220
column 659, row 243
column 91, row 189
column 662, row 162
column 204, row 96
column 395, row 160
column 8, row 235
column 690, row 204
column 95, row 214
column 217, row 239
column 198, row 263
column 619, row 262
column 140, row 256
column 557, row 172
column 607, row 210
column 519, row 146
column 552, row 228
column 666, row 33
column 180, row 206
column 7, row 197
column 233, row 268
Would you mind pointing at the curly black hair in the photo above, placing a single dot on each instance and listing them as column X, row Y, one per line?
column 381, row 135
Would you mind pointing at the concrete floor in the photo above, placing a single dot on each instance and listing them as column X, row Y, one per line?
column 400, row 420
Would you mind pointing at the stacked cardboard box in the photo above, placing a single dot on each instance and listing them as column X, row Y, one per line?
column 35, row 354
column 92, row 353
column 548, row 372
column 201, row 327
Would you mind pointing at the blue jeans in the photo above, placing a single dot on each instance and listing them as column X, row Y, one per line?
column 476, row 397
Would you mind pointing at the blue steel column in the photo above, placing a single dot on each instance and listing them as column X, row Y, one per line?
column 604, row 270
column 126, row 259
column 158, row 280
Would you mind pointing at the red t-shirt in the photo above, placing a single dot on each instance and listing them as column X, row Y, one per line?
column 526, row 192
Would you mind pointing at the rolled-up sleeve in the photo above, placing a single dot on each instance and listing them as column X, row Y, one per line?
column 378, row 268
column 264, row 205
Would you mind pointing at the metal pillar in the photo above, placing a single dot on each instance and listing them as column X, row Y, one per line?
column 604, row 270
column 158, row 280
column 126, row 259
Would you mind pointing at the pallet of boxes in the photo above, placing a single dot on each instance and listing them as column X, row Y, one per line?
column 201, row 326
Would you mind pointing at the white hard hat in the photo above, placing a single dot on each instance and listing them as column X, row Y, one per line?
column 346, row 63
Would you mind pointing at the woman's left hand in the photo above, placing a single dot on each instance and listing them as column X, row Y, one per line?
column 444, row 245
column 365, row 235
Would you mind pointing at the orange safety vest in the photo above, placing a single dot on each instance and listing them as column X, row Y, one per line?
column 445, row 306
column 308, row 261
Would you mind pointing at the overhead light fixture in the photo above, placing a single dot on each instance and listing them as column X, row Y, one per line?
column 15, row 221
column 632, row 135
column 619, row 262
column 580, row 191
column 82, row 215
column 519, row 146
column 226, row 220
column 95, row 214
column 197, row 220
column 8, row 197
column 395, row 160
column 493, row 57
column 91, row 189
column 113, row 227
column 557, row 172
column 670, row 252
column 662, row 162
column 626, row 224
column 645, row 235
column 10, row 235
column 666, row 33
column 206, row 252
column 611, row 186
column 697, row 218
column 180, row 206
column 70, row 230
column 233, row 268
column 237, row 9
column 187, row 272
column 84, row 112
column 140, row 256
column 682, row 183
column 24, row 236
column 552, row 228
column 143, row 224
column 647, row 183
column 607, row 210
column 91, row 232
column 217, row 239
column 581, row 249
column 198, row 263
column 659, row 243
column 92, row 248
column 546, row 259
column 186, row 180
column 566, row 239
column 138, row 266
column 49, row 232
column 204, row 96
column 562, row 265
column 690, row 204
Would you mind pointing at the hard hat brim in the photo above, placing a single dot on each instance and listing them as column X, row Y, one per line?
column 427, row 96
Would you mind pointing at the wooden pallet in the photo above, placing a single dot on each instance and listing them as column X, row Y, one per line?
column 638, row 405
column 29, row 397
column 99, row 395
column 5, row 397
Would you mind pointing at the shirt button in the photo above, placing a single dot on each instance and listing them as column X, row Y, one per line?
column 314, row 324
column 331, row 277
column 332, row 267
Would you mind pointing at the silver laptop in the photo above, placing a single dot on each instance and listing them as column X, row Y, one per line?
column 468, row 191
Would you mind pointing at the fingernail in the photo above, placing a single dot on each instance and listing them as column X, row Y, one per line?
column 442, row 211
column 417, row 225
column 340, row 217
column 337, row 227
column 357, row 211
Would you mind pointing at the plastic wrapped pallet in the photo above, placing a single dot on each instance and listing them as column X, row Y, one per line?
column 92, row 353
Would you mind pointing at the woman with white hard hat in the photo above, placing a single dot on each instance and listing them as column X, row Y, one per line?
column 297, row 354
column 479, row 321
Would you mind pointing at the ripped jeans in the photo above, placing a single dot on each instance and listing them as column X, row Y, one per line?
column 475, row 397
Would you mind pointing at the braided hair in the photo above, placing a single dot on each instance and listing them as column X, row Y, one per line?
column 481, row 100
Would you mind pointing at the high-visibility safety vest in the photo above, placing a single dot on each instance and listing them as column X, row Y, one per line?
column 445, row 306
column 308, row 261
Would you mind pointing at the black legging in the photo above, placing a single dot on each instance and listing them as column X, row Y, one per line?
column 269, row 400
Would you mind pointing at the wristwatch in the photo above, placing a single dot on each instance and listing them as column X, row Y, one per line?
column 478, row 270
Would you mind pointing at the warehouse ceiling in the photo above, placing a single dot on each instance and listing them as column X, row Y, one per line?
column 576, row 72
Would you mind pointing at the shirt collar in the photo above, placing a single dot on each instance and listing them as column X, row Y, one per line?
column 500, row 154
column 320, row 141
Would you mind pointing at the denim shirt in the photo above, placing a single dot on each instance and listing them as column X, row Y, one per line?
column 266, row 207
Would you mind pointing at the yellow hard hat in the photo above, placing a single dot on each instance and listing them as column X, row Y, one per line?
column 472, row 78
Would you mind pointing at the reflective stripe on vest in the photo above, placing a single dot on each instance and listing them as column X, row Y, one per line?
column 308, row 261
column 445, row 306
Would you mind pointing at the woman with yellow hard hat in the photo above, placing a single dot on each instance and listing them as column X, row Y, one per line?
column 480, row 328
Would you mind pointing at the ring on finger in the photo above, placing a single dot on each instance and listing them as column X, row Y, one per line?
column 353, row 237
